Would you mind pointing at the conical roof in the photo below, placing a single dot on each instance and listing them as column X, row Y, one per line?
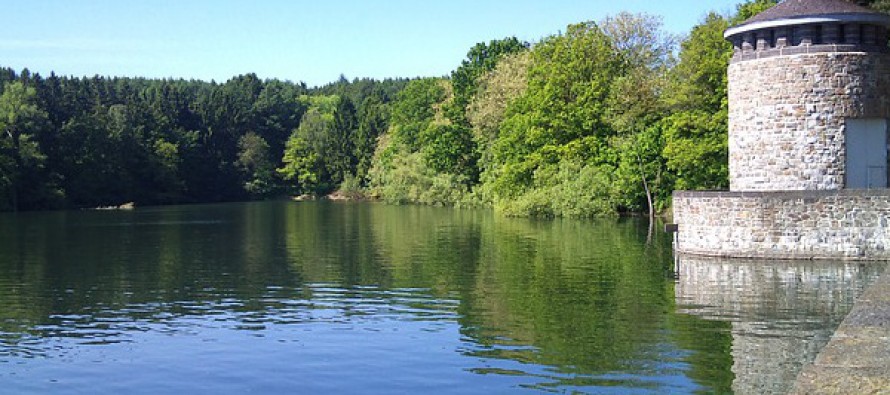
column 799, row 12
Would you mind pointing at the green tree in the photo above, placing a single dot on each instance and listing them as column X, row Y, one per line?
column 497, row 90
column 94, row 167
column 165, row 161
column 372, row 122
column 424, row 158
column 341, row 159
column 750, row 8
column 480, row 59
column 20, row 155
column 696, row 131
column 415, row 109
column 320, row 154
column 635, row 105
column 278, row 110
column 449, row 148
column 879, row 5
column 561, row 116
column 255, row 163
column 304, row 154
column 301, row 164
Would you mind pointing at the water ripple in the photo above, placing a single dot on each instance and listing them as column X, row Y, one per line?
column 354, row 307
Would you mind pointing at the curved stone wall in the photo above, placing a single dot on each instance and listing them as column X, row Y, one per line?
column 787, row 114
column 848, row 224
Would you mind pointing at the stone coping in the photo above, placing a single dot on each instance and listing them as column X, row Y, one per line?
column 780, row 257
column 784, row 194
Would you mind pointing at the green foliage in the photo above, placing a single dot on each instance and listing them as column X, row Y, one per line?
column 301, row 164
column 428, row 159
column 320, row 154
column 561, row 114
column 696, row 131
column 878, row 5
column 405, row 178
column 601, row 119
column 351, row 188
column 567, row 189
column 86, row 142
column 448, row 148
column 497, row 89
column 307, row 150
column 748, row 9
column 699, row 80
column 481, row 59
column 254, row 160
column 372, row 122
column 696, row 149
column 21, row 159
column 415, row 109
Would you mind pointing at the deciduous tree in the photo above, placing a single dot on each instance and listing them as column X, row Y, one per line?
column 20, row 156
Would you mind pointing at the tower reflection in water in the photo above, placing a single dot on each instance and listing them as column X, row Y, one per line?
column 781, row 312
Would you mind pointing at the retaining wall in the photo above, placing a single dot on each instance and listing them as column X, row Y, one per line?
column 842, row 224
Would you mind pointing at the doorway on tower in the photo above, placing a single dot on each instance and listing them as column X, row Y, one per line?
column 866, row 141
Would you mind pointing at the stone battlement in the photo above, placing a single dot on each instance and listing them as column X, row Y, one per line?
column 815, row 38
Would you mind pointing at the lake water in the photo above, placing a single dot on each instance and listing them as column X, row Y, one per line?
column 321, row 297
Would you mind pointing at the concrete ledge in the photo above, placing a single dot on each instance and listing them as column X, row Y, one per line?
column 839, row 224
column 825, row 380
column 857, row 359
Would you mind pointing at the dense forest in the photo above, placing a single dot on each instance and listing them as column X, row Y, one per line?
column 90, row 142
column 606, row 117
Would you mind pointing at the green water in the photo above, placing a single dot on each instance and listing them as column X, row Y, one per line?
column 317, row 297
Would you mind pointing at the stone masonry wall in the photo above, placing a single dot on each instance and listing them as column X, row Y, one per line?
column 846, row 224
column 787, row 114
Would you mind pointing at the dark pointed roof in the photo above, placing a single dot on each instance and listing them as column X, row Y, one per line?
column 799, row 12
column 807, row 8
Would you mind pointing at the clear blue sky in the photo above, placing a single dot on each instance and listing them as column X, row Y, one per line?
column 298, row 40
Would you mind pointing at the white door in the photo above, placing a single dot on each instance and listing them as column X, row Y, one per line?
column 866, row 153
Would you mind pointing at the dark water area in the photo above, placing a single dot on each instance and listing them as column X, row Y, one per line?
column 323, row 297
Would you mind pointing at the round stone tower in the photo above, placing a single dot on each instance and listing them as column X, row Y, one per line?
column 809, row 107
column 809, row 98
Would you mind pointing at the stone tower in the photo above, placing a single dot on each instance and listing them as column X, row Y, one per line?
column 809, row 106
column 809, row 98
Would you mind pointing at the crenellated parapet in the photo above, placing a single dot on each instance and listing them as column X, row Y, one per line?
column 853, row 32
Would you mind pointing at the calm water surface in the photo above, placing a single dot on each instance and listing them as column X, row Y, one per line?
column 289, row 297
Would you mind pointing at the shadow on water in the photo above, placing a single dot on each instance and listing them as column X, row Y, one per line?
column 333, row 297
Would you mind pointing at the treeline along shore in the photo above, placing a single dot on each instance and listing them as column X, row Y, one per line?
column 607, row 117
